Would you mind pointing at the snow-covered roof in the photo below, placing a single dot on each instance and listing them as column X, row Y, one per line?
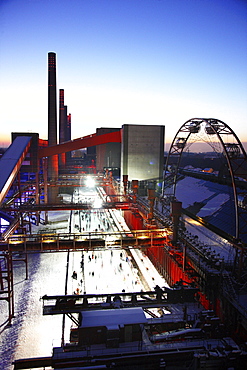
column 113, row 318
column 212, row 201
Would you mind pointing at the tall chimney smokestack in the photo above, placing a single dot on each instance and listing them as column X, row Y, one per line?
column 52, row 124
column 62, row 125
column 68, row 133
column 52, row 100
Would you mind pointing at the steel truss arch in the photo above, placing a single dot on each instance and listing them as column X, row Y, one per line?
column 233, row 151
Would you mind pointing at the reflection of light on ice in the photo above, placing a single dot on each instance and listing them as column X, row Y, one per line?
column 36, row 334
column 106, row 271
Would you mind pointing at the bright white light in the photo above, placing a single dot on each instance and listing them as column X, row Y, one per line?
column 97, row 203
column 90, row 183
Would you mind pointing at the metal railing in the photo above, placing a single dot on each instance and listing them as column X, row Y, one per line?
column 85, row 240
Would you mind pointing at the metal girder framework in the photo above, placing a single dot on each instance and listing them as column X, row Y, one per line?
column 83, row 241
column 207, row 130
column 68, row 304
column 6, row 282
column 63, row 207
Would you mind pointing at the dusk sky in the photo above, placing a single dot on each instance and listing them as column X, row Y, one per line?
column 155, row 62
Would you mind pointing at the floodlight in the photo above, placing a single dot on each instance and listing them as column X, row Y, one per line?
column 90, row 183
column 97, row 203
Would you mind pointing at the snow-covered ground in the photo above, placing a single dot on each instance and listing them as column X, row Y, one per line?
column 210, row 198
column 210, row 239
column 212, row 195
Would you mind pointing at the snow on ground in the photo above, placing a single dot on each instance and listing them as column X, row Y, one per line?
column 211, row 195
column 213, row 205
column 207, row 237
column 190, row 196
column 221, row 245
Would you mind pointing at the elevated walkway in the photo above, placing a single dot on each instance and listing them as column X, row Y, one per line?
column 11, row 163
column 6, row 216
column 83, row 241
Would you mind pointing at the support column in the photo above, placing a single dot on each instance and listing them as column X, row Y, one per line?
column 45, row 186
column 37, row 196
column 176, row 208
column 7, row 285
column 68, row 132
column 125, row 183
column 151, row 198
column 134, row 187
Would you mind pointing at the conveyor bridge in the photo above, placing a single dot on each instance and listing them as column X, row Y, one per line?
column 53, row 242
column 65, row 207
column 11, row 162
column 68, row 304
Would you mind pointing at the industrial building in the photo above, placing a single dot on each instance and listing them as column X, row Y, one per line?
column 206, row 282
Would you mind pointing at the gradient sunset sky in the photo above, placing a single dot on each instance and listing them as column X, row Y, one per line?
column 158, row 62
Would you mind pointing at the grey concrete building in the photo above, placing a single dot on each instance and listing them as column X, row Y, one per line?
column 142, row 151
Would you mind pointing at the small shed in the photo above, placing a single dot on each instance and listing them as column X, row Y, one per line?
column 111, row 326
